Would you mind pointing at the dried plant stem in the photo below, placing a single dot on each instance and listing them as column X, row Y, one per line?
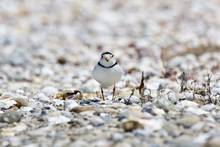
column 141, row 87
column 208, row 86
column 183, row 83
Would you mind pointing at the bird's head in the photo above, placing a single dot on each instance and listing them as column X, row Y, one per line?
column 107, row 59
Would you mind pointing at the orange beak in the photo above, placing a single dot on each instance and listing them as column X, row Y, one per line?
column 106, row 59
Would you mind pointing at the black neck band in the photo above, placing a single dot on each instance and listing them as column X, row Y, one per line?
column 107, row 66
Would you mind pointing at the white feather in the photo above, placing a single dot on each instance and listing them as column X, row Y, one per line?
column 107, row 76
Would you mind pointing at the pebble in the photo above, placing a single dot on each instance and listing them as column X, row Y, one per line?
column 80, row 109
column 213, row 141
column 80, row 143
column 18, row 58
column 196, row 110
column 70, row 104
column 59, row 104
column 186, row 103
column 57, row 118
column 188, row 120
column 49, row 91
column 131, row 100
column 42, row 97
column 165, row 105
column 21, row 101
column 117, row 137
column 183, row 141
column 153, row 110
column 89, row 101
column 172, row 129
column 10, row 117
column 97, row 121
column 7, row 103
column 130, row 125
column 208, row 107
column 46, row 72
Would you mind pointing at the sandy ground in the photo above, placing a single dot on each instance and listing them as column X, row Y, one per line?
column 49, row 98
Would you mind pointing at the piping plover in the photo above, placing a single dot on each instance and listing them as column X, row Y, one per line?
column 107, row 72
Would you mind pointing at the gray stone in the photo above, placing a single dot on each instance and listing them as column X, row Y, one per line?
column 49, row 91
column 213, row 141
column 70, row 104
column 188, row 120
column 10, row 117
column 80, row 143
column 96, row 121
column 117, row 137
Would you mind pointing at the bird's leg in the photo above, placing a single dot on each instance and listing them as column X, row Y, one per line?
column 102, row 93
column 113, row 93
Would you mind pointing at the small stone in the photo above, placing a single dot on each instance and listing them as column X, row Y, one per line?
column 217, row 115
column 69, row 94
column 185, row 141
column 45, row 71
column 131, row 125
column 42, row 97
column 61, row 60
column 117, row 137
column 70, row 104
column 208, row 107
column 153, row 110
column 57, row 118
column 187, row 95
column 80, row 143
column 27, row 109
column 186, row 103
column 80, row 109
column 89, row 101
column 18, row 58
column 59, row 104
column 188, row 120
column 7, row 103
column 196, row 110
column 21, row 101
column 152, row 124
column 123, row 144
column 172, row 129
column 215, row 90
column 49, row 91
column 213, row 141
column 13, row 130
column 131, row 100
column 101, row 143
column 165, row 104
column 96, row 121
column 10, row 117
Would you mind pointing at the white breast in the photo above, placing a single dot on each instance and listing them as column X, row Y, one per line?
column 107, row 76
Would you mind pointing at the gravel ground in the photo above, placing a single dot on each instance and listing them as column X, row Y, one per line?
column 47, row 94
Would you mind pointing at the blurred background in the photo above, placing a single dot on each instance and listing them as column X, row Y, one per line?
column 56, row 41
column 48, row 49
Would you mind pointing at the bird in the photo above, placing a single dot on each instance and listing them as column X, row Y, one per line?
column 107, row 72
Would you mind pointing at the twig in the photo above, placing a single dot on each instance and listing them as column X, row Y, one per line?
column 208, row 86
column 183, row 83
column 128, row 101
column 141, row 87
